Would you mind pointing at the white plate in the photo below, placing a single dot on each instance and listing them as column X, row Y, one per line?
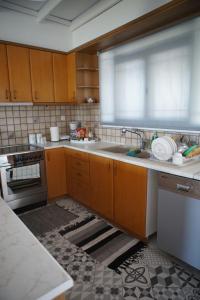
column 172, row 142
column 162, row 149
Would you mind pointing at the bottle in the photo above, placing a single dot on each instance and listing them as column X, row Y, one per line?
column 154, row 136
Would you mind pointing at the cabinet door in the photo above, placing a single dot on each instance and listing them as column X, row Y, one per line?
column 79, row 178
column 4, row 81
column 71, row 76
column 130, row 196
column 19, row 73
column 101, row 180
column 56, row 172
column 68, row 153
column 42, row 76
column 60, row 77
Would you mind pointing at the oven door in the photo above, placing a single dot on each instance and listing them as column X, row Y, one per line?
column 23, row 181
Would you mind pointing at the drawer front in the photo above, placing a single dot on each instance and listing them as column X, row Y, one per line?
column 80, row 165
column 80, row 176
column 181, row 185
column 79, row 190
column 80, row 155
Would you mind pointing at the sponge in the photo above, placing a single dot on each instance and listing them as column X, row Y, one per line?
column 133, row 152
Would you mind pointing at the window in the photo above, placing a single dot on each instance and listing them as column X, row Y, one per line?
column 154, row 82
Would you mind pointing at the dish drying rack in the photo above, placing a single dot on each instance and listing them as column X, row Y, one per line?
column 186, row 161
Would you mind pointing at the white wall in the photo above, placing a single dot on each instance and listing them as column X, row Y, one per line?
column 21, row 28
column 121, row 13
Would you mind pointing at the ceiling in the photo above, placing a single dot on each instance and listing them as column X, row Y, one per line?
column 66, row 12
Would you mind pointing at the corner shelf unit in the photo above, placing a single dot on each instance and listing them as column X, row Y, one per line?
column 87, row 77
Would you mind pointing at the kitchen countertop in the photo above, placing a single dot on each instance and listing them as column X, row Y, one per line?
column 27, row 270
column 189, row 171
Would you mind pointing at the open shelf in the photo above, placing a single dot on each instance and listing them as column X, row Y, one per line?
column 87, row 86
column 87, row 69
column 87, row 77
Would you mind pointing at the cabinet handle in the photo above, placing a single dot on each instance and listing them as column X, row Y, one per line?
column 115, row 170
column 36, row 95
column 14, row 94
column 7, row 94
column 183, row 188
column 48, row 157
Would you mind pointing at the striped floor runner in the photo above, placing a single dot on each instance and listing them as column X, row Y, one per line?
column 105, row 243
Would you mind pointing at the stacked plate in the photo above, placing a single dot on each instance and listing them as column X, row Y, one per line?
column 163, row 148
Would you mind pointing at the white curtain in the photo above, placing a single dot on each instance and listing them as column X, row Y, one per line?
column 154, row 82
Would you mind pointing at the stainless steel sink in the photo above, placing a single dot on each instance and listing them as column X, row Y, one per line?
column 123, row 149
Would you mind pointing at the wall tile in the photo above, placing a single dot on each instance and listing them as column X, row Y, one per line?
column 16, row 122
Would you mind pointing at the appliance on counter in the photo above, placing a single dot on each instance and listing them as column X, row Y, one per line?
column 72, row 128
column 179, row 217
column 23, row 176
column 55, row 135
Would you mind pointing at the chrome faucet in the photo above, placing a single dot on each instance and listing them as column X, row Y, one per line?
column 138, row 132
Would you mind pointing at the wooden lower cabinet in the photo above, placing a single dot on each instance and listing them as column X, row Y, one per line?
column 79, row 176
column 56, row 172
column 115, row 190
column 130, row 197
column 101, row 182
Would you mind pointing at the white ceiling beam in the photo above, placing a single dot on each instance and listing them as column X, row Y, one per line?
column 32, row 12
column 59, row 20
column 18, row 8
column 93, row 12
column 46, row 9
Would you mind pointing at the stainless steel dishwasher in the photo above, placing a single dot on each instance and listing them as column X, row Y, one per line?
column 179, row 217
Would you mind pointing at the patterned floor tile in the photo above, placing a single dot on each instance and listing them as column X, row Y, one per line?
column 186, row 278
column 164, row 293
column 164, row 276
column 150, row 274
column 81, row 291
column 152, row 257
column 191, row 293
column 106, row 276
column 49, row 239
column 82, row 272
column 137, row 293
column 107, row 292
column 74, row 207
column 135, row 275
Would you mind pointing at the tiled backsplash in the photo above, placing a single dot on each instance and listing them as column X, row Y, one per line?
column 16, row 122
column 90, row 115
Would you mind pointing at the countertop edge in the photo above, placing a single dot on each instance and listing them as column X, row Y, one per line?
column 153, row 165
column 62, row 287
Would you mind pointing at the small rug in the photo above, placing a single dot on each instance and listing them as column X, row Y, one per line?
column 47, row 218
column 105, row 243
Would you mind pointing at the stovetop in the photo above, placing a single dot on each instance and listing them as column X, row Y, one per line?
column 19, row 149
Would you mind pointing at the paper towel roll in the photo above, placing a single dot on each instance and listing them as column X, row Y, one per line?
column 55, row 137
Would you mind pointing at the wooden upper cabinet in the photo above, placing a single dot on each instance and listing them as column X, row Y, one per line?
column 42, row 76
column 60, row 77
column 83, row 77
column 4, row 80
column 101, row 182
column 71, row 77
column 56, row 172
column 130, row 197
column 19, row 73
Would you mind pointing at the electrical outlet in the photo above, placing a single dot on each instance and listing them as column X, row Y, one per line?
column 62, row 118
